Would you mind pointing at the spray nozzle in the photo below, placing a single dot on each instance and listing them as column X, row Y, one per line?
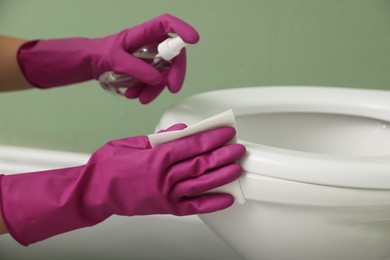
column 170, row 48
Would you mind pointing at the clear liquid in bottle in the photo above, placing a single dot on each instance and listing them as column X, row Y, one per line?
column 157, row 55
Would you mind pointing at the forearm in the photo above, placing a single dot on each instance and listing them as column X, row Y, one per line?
column 11, row 77
column 3, row 230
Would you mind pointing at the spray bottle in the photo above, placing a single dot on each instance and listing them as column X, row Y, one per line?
column 159, row 56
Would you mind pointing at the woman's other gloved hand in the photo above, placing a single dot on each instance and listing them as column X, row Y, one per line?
column 58, row 62
column 124, row 177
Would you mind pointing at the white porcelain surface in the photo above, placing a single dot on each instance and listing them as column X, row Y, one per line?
column 298, row 221
column 346, row 134
column 121, row 238
column 317, row 171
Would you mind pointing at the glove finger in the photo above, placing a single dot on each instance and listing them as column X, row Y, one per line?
column 137, row 142
column 126, row 64
column 196, row 144
column 205, row 203
column 198, row 165
column 211, row 180
column 174, row 127
column 150, row 93
column 133, row 92
column 177, row 72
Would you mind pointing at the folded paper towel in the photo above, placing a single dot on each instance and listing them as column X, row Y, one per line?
column 224, row 119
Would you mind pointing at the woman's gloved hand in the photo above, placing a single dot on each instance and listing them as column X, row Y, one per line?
column 124, row 177
column 58, row 62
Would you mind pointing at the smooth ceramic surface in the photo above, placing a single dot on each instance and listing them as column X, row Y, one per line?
column 339, row 133
column 317, row 171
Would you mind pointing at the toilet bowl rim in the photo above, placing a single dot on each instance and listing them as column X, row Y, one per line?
column 343, row 171
column 321, row 169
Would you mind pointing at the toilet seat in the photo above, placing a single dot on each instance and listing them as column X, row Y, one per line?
column 367, row 172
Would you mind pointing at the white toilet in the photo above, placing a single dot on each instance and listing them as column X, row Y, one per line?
column 317, row 171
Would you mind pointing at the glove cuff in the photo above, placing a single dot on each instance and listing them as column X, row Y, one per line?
column 39, row 205
column 53, row 63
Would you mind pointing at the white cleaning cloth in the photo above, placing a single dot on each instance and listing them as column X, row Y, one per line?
column 224, row 119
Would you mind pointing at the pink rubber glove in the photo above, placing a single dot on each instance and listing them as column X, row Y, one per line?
column 124, row 177
column 58, row 62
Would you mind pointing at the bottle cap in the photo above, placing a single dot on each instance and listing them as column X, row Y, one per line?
column 170, row 48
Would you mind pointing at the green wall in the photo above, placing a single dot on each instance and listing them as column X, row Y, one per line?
column 243, row 43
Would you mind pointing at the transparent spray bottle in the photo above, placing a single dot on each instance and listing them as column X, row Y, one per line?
column 159, row 56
